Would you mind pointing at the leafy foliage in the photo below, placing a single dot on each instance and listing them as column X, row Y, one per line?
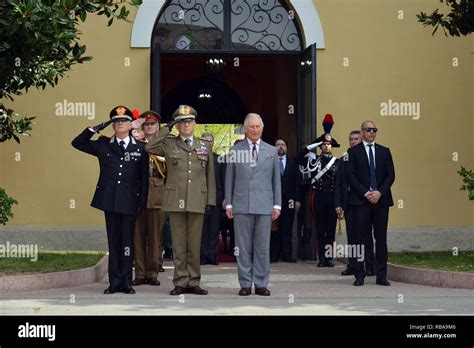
column 10, row 127
column 39, row 44
column 6, row 203
column 459, row 21
column 468, row 180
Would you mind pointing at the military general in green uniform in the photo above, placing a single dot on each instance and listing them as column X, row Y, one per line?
column 189, row 189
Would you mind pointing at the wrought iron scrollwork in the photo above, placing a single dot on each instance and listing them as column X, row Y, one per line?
column 191, row 24
column 264, row 25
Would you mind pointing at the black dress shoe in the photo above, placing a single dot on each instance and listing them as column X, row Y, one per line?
column 203, row 262
column 161, row 269
column 328, row 263
column 347, row 272
column 359, row 282
column 290, row 260
column 196, row 290
column 110, row 291
column 168, row 254
column 273, row 260
column 153, row 281
column 382, row 281
column 138, row 281
column 212, row 261
column 178, row 290
column 129, row 290
column 321, row 264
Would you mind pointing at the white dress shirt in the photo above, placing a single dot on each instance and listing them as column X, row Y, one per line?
column 126, row 140
column 367, row 151
column 257, row 143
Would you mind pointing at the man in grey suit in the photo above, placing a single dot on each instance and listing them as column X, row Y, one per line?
column 253, row 196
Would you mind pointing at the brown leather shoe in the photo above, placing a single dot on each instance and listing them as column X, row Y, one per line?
column 196, row 290
column 245, row 291
column 178, row 290
column 153, row 281
column 262, row 291
column 138, row 281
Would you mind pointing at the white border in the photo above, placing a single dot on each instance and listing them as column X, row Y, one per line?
column 149, row 10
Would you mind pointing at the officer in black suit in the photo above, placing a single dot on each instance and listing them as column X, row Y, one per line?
column 343, row 208
column 370, row 172
column 281, row 239
column 121, row 191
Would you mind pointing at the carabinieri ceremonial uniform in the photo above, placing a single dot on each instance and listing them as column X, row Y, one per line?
column 323, row 169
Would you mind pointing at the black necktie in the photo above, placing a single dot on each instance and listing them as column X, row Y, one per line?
column 373, row 179
column 122, row 146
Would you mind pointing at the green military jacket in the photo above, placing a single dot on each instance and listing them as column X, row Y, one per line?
column 190, row 183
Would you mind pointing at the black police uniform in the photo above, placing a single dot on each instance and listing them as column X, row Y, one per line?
column 121, row 192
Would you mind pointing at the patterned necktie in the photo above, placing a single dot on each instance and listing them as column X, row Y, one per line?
column 282, row 168
column 254, row 153
column 373, row 179
column 122, row 146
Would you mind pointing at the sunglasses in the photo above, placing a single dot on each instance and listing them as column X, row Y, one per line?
column 369, row 129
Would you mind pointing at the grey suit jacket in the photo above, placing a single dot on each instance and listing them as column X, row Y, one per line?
column 253, row 190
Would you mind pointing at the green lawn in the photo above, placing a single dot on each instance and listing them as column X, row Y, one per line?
column 439, row 260
column 50, row 261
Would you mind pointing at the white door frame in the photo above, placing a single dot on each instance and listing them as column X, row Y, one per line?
column 149, row 10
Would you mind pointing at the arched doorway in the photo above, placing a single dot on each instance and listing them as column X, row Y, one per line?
column 253, row 46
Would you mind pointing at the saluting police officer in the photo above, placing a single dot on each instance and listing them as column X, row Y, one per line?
column 149, row 225
column 189, row 189
column 121, row 191
column 323, row 171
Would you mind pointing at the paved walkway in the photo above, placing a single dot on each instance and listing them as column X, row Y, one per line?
column 398, row 239
column 297, row 289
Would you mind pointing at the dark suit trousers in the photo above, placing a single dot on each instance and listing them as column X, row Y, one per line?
column 210, row 233
column 326, row 220
column 281, row 240
column 368, row 217
column 120, row 239
column 351, row 236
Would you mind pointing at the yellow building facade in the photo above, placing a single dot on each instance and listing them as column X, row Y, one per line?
column 377, row 63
